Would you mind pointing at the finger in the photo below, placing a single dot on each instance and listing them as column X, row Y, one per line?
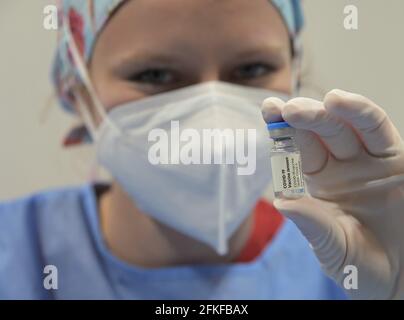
column 272, row 110
column 377, row 132
column 314, row 156
column 310, row 114
column 316, row 220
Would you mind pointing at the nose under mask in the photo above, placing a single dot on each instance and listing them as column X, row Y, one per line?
column 195, row 159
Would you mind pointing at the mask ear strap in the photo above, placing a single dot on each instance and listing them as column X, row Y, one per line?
column 82, row 70
column 83, row 109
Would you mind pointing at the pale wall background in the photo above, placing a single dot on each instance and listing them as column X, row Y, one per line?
column 368, row 61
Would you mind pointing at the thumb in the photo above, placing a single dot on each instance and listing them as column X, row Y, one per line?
column 318, row 222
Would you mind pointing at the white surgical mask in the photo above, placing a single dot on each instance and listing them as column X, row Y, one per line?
column 206, row 201
column 182, row 185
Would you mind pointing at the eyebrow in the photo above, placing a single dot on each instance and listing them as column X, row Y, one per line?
column 126, row 62
column 276, row 52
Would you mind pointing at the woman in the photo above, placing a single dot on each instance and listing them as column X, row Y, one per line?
column 169, row 230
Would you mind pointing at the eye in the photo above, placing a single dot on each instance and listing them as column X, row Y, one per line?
column 252, row 71
column 158, row 77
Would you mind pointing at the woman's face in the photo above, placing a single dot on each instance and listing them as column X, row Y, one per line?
column 152, row 46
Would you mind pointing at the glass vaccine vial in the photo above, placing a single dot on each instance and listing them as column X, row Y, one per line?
column 286, row 163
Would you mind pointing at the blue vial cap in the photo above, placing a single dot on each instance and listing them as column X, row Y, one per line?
column 277, row 125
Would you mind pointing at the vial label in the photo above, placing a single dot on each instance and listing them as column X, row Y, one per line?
column 287, row 173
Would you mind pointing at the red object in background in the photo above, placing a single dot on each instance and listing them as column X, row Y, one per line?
column 267, row 221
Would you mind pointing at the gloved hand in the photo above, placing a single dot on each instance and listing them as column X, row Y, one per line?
column 353, row 161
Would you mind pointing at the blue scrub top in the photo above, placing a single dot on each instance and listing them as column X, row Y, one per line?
column 61, row 228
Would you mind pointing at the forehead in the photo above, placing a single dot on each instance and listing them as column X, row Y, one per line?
column 192, row 24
